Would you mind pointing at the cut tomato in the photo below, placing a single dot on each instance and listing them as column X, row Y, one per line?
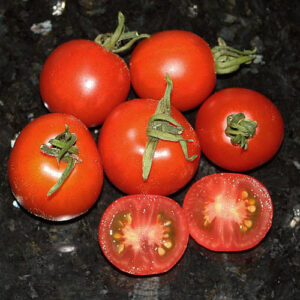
column 228, row 212
column 143, row 234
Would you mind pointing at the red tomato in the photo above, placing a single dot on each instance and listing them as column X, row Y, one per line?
column 122, row 143
column 185, row 56
column 32, row 173
column 228, row 212
column 211, row 123
column 143, row 234
column 84, row 79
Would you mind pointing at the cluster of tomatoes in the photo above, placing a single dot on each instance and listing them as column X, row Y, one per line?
column 147, row 148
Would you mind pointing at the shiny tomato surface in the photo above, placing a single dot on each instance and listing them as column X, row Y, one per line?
column 84, row 79
column 211, row 122
column 185, row 56
column 143, row 234
column 228, row 212
column 32, row 173
column 122, row 143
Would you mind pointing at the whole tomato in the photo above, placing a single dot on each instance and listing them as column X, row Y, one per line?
column 189, row 61
column 127, row 140
column 239, row 129
column 85, row 78
column 54, row 169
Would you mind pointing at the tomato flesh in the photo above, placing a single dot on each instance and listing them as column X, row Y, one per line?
column 143, row 234
column 228, row 212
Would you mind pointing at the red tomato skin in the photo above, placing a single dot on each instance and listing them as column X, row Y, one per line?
column 226, row 238
column 185, row 56
column 83, row 79
column 32, row 173
column 121, row 144
column 216, row 145
column 144, row 209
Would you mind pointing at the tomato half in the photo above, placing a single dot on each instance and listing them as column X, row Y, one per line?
column 217, row 139
column 32, row 173
column 228, row 212
column 83, row 79
column 185, row 56
column 122, row 142
column 143, row 234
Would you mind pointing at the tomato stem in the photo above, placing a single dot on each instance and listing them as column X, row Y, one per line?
column 112, row 41
column 228, row 59
column 63, row 149
column 240, row 129
column 162, row 126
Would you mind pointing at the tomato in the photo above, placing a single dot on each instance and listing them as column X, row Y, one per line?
column 228, row 212
column 83, row 79
column 143, row 234
column 189, row 61
column 122, row 143
column 239, row 129
column 32, row 172
column 185, row 56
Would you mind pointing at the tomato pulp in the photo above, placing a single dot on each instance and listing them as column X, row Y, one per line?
column 143, row 234
column 228, row 212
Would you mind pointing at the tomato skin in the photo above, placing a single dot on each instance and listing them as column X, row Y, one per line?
column 216, row 145
column 141, row 257
column 32, row 173
column 223, row 233
column 122, row 142
column 185, row 56
column 84, row 79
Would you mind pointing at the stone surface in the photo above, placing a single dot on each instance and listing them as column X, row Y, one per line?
column 44, row 260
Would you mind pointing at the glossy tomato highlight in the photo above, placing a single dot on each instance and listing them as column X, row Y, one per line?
column 143, row 234
column 228, row 211
column 33, row 173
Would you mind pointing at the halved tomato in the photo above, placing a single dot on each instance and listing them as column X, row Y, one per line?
column 228, row 212
column 143, row 234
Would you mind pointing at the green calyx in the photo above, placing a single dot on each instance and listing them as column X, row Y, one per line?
column 240, row 129
column 162, row 126
column 63, row 149
column 114, row 42
column 228, row 60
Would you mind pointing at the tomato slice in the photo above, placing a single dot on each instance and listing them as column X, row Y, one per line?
column 143, row 234
column 228, row 212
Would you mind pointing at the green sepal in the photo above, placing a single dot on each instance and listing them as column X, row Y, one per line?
column 112, row 41
column 240, row 129
column 228, row 59
column 162, row 126
column 63, row 149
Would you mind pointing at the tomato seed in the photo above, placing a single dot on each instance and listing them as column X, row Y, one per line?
column 117, row 236
column 121, row 248
column 245, row 194
column 167, row 244
column 251, row 208
column 161, row 251
column 248, row 223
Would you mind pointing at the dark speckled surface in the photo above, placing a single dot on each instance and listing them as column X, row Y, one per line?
column 43, row 260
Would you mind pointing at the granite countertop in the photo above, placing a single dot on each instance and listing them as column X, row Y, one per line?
column 44, row 260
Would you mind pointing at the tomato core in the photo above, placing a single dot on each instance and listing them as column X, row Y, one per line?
column 159, row 236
